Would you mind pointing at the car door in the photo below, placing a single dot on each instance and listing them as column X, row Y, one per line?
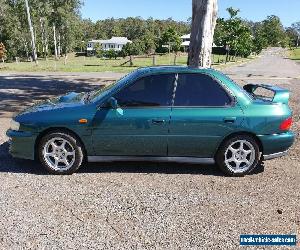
column 139, row 126
column 203, row 114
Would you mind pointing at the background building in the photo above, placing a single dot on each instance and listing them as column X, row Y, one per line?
column 115, row 43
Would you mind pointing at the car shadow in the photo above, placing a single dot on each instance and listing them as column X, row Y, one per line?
column 9, row 164
column 21, row 91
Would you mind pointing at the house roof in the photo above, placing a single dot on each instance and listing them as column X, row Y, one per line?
column 187, row 43
column 187, row 36
column 113, row 40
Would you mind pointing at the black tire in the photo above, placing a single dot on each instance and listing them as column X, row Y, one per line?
column 255, row 155
column 72, row 143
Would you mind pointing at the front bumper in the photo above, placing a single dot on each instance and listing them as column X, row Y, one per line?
column 276, row 145
column 22, row 144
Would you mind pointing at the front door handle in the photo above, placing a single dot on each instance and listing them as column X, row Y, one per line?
column 229, row 119
column 158, row 121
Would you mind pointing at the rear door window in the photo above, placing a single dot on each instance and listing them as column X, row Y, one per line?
column 200, row 90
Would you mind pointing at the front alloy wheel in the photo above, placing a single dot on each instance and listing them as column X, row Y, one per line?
column 239, row 155
column 60, row 153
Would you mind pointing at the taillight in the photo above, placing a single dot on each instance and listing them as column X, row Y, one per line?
column 286, row 124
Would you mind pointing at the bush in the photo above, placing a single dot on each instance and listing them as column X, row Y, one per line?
column 111, row 54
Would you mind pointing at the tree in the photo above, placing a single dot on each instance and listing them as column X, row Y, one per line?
column 235, row 34
column 59, row 28
column 293, row 37
column 98, row 50
column 149, row 42
column 111, row 54
column 296, row 30
column 272, row 30
column 2, row 52
column 204, row 19
column 34, row 55
column 171, row 38
column 132, row 49
column 259, row 41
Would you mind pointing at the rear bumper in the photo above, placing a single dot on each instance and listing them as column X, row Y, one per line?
column 276, row 145
column 21, row 144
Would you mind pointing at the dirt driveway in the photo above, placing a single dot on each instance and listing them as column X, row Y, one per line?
column 144, row 206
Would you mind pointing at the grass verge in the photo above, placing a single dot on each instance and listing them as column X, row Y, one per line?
column 295, row 54
column 94, row 64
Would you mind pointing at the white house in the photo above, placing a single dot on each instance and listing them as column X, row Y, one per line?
column 115, row 43
column 185, row 42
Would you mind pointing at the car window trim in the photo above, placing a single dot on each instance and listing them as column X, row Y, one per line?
column 176, row 74
column 227, row 91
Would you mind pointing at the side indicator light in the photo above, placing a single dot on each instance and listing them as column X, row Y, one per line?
column 286, row 124
column 83, row 121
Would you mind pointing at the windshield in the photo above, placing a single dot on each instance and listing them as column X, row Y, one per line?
column 98, row 94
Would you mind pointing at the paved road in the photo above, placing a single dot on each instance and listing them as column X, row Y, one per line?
column 138, row 205
column 271, row 65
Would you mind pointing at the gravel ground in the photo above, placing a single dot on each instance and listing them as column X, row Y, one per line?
column 138, row 205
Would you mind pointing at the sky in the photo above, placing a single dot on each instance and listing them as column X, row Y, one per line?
column 255, row 10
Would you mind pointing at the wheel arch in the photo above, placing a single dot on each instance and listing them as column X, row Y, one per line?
column 254, row 136
column 61, row 130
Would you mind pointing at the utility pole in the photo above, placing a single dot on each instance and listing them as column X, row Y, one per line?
column 32, row 33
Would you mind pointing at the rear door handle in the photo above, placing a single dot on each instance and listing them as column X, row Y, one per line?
column 158, row 121
column 229, row 119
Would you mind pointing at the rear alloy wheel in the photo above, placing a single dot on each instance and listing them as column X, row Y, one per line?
column 238, row 156
column 60, row 153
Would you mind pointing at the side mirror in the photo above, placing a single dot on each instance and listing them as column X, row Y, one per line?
column 113, row 103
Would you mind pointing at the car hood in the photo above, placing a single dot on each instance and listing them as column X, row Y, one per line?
column 71, row 99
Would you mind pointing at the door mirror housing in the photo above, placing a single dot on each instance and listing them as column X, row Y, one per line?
column 113, row 103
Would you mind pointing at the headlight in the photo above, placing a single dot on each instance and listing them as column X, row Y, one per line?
column 14, row 125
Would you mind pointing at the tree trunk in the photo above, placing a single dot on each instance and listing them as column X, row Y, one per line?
column 154, row 60
column 59, row 47
column 46, row 44
column 175, row 59
column 203, row 26
column 227, row 56
column 55, row 43
column 44, row 37
column 31, row 33
column 130, row 60
column 66, row 58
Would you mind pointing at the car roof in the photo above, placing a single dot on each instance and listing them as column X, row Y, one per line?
column 173, row 69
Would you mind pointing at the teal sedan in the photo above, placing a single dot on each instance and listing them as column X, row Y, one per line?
column 173, row 114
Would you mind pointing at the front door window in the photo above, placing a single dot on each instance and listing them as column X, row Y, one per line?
column 149, row 91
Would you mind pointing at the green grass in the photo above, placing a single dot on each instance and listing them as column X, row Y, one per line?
column 295, row 54
column 93, row 64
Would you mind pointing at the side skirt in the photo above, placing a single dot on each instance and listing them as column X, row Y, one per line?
column 276, row 155
column 151, row 159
